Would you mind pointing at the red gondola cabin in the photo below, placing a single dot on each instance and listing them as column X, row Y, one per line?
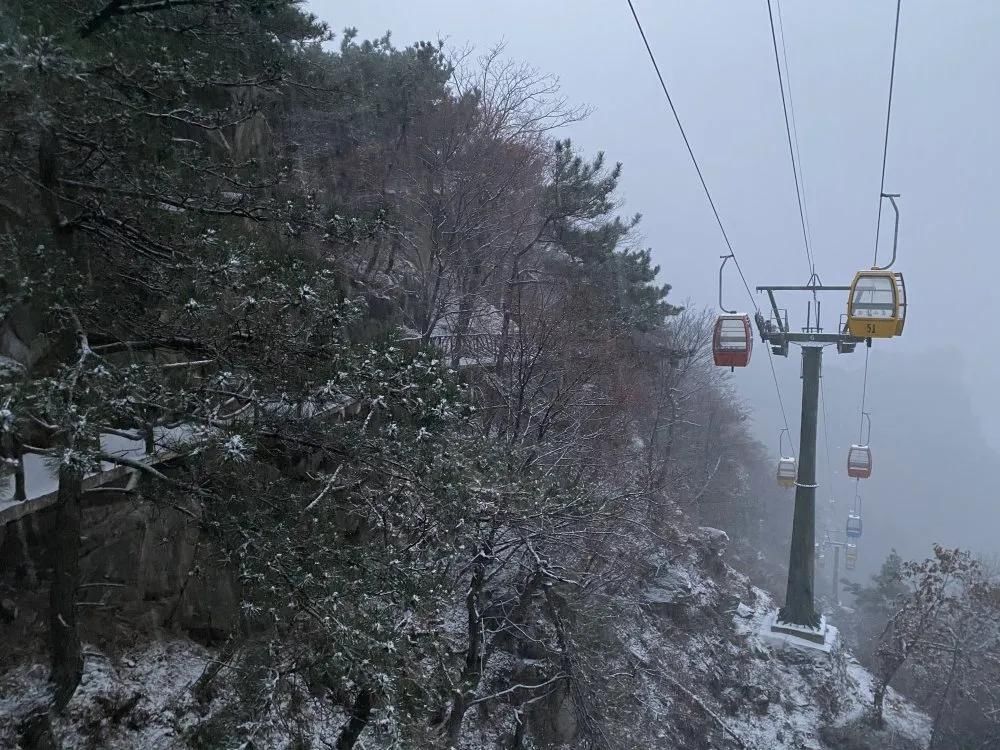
column 733, row 341
column 859, row 462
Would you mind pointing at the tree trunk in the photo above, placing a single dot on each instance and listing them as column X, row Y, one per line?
column 11, row 450
column 460, row 333
column 373, row 258
column 471, row 672
column 521, row 721
column 887, row 664
column 360, row 713
column 878, row 704
column 393, row 247
column 202, row 688
column 66, row 657
column 507, row 304
column 36, row 732
column 935, row 727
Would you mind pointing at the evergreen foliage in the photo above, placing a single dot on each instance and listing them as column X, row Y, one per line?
column 391, row 344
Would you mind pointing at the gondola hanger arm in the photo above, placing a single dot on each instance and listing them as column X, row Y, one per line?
column 895, row 234
column 725, row 259
column 781, row 439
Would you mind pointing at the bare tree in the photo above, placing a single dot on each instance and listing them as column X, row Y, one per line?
column 935, row 593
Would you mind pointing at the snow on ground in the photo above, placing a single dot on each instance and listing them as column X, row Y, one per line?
column 802, row 674
column 901, row 716
column 151, row 688
column 161, row 673
column 750, row 692
column 794, row 719
column 699, row 674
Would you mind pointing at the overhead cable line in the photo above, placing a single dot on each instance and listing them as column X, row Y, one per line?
column 796, row 164
column 864, row 397
column 795, row 128
column 881, row 192
column 791, row 131
column 694, row 160
column 888, row 118
column 781, row 403
column 798, row 172
column 708, row 194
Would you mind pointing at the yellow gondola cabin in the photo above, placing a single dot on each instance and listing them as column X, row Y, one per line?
column 852, row 556
column 876, row 306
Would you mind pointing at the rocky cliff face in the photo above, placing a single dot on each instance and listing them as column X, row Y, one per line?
column 140, row 560
column 681, row 643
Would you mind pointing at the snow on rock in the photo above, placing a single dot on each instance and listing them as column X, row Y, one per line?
column 715, row 539
column 143, row 699
column 138, row 702
column 683, row 654
column 714, row 678
column 673, row 587
column 902, row 717
column 10, row 368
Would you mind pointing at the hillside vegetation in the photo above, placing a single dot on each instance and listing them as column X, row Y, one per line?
column 426, row 457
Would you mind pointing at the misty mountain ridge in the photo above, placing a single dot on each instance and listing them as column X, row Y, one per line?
column 932, row 478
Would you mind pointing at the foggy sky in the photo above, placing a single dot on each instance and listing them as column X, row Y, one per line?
column 718, row 62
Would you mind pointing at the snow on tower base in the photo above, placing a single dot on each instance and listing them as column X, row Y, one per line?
column 780, row 634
